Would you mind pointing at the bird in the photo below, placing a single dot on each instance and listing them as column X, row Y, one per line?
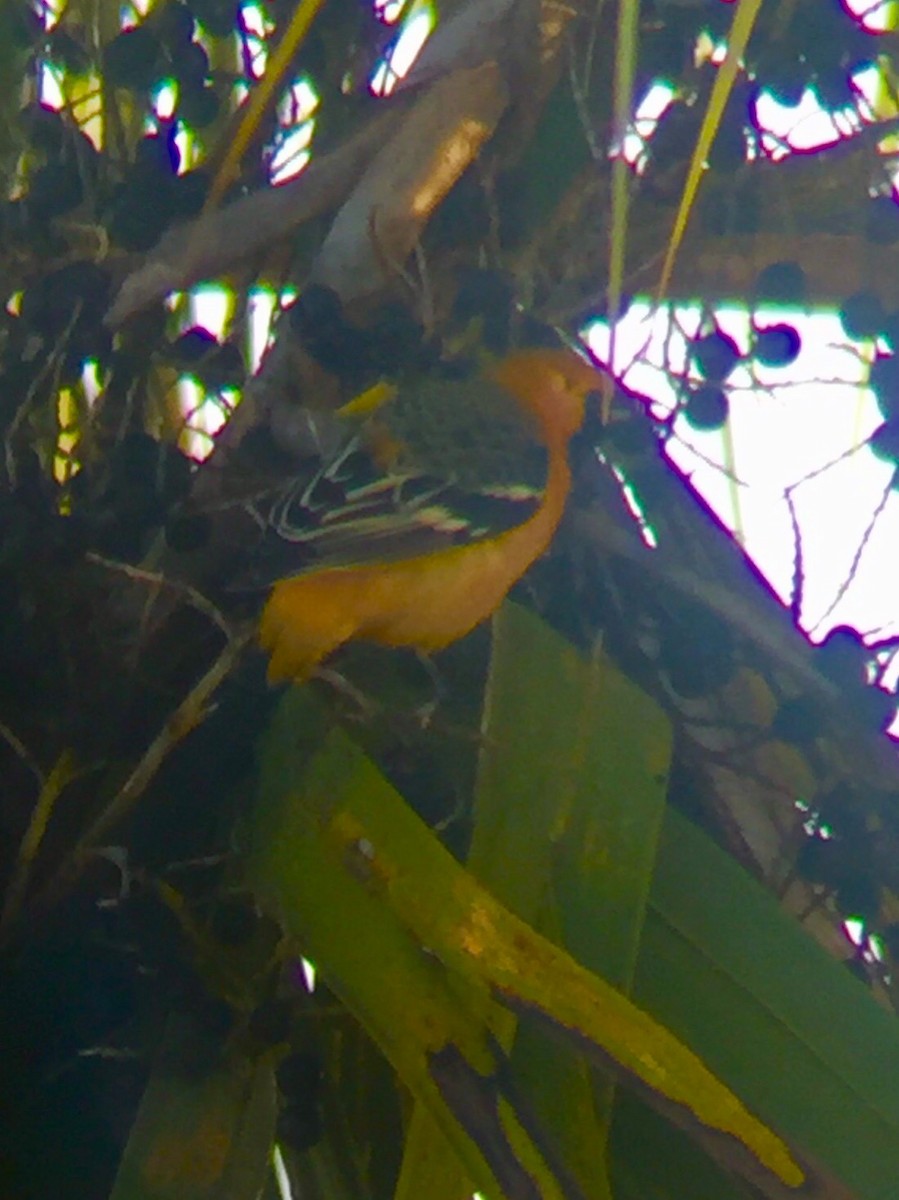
column 443, row 496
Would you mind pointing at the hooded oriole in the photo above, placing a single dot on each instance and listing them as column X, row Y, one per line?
column 442, row 500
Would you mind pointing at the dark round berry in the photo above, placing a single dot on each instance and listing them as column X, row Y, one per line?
column 138, row 213
column 883, row 380
column 820, row 861
column 716, row 355
column 70, row 300
column 882, row 221
column 798, row 720
column 224, row 368
column 324, row 332
column 198, row 105
column 674, row 137
column 271, row 1021
column 141, row 206
column 54, row 190
column 190, row 63
column 841, row 655
column 69, row 52
column 396, row 338
column 785, row 80
column 299, row 1075
column 707, row 407
column 838, row 808
column 188, row 532
column 174, row 24
column 862, row 315
column 156, row 155
column 235, row 921
column 781, row 283
column 831, row 87
column 299, row 1127
column 194, row 345
column 777, row 345
column 884, row 441
column 217, row 17
column 188, row 192
column 875, row 707
column 890, row 329
column 175, row 474
column 317, row 308
column 482, row 292
column 45, row 127
column 133, row 59
column 859, row 895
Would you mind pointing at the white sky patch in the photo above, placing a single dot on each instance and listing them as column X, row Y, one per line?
column 260, row 311
column 254, row 20
column 282, row 1176
column 165, row 100
column 204, row 416
column 256, row 29
column 50, row 90
column 391, row 11
column 309, row 973
column 797, row 431
column 804, row 126
column 650, row 109
column 855, row 930
column 210, row 307
column 297, row 126
column 877, row 16
column 415, row 33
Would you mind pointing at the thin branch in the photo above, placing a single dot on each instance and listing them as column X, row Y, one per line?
column 159, row 581
column 860, row 550
column 62, row 774
column 215, row 243
column 22, row 752
column 190, row 713
column 797, row 584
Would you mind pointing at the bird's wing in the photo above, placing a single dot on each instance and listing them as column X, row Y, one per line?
column 462, row 465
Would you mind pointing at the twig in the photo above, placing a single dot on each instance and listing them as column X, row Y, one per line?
column 860, row 550
column 16, row 744
column 190, row 713
column 159, row 581
column 61, row 775
column 214, row 243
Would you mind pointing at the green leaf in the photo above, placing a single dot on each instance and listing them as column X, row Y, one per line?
column 336, row 855
column 802, row 1041
column 567, row 827
column 738, row 37
column 337, row 852
column 566, row 824
column 207, row 1138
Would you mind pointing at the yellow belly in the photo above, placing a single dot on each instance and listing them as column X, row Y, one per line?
column 424, row 603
